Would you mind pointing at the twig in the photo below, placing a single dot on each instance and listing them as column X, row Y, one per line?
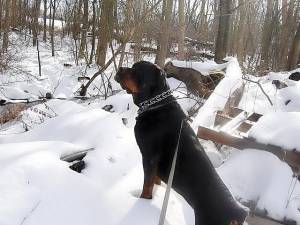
column 31, row 211
column 261, row 88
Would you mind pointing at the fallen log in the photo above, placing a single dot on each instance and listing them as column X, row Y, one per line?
column 145, row 49
column 196, row 83
column 199, row 44
column 291, row 156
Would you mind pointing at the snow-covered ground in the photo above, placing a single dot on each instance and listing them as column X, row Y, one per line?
column 36, row 187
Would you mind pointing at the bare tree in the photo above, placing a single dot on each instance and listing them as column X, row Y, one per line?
column 6, row 26
column 93, row 32
column 52, row 25
column 286, row 34
column 223, row 31
column 164, row 33
column 13, row 13
column 45, row 21
column 294, row 56
column 104, row 30
column 126, row 27
column 181, row 34
column 241, row 32
column 35, row 20
column 1, row 15
column 138, row 36
column 267, row 35
column 85, row 21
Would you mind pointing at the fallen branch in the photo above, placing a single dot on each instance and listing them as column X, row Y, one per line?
column 261, row 88
column 31, row 211
column 291, row 156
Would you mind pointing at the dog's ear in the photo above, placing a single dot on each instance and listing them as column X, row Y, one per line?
column 162, row 75
column 162, row 72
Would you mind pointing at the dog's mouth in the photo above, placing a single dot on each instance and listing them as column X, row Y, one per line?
column 117, row 78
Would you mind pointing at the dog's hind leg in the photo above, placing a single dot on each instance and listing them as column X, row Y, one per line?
column 199, row 217
column 157, row 180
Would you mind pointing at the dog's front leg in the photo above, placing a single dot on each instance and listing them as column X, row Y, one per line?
column 150, row 170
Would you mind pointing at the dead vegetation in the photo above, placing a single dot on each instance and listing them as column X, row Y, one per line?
column 11, row 112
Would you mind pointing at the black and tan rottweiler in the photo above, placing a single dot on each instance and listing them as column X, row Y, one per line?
column 157, row 130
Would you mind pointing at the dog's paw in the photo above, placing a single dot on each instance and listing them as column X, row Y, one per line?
column 146, row 195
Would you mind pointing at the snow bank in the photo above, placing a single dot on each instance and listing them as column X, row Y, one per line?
column 28, row 172
column 278, row 128
column 36, row 187
column 286, row 99
column 43, row 190
column 14, row 93
column 259, row 178
column 33, row 117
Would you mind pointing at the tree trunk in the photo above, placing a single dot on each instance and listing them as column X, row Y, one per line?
column 181, row 35
column 50, row 13
column 6, row 26
column 39, row 58
column 241, row 42
column 23, row 8
column 104, row 30
column 138, row 37
column 294, row 56
column 286, row 33
column 223, row 31
column 45, row 21
column 267, row 36
column 1, row 15
column 85, row 21
column 284, row 11
column 93, row 32
column 128, row 23
column 121, row 60
column 13, row 13
column 164, row 34
column 52, row 26
column 35, row 21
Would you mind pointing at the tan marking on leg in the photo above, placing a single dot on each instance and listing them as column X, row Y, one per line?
column 234, row 222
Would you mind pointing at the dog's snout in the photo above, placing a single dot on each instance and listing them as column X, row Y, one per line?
column 118, row 74
column 117, row 78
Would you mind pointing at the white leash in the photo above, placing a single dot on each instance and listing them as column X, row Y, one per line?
column 170, row 181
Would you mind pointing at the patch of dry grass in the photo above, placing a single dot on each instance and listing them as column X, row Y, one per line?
column 11, row 112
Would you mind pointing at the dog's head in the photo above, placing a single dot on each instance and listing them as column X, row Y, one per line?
column 144, row 80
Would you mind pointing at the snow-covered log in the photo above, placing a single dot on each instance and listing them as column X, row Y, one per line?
column 196, row 83
column 290, row 156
